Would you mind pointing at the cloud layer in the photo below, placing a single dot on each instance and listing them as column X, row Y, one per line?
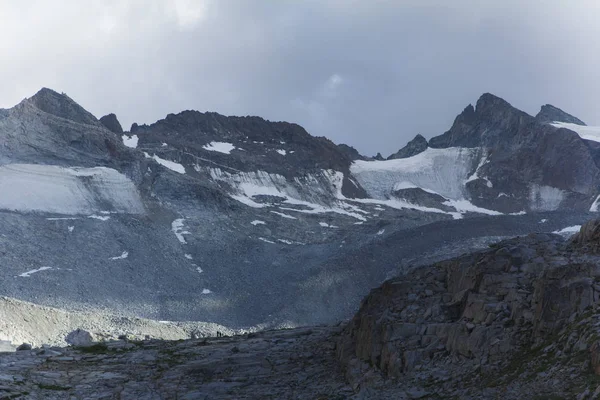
column 370, row 73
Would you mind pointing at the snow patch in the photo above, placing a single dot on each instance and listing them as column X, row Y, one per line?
column 543, row 221
column 381, row 232
column 33, row 271
column 99, row 217
column 475, row 176
column 71, row 228
column 283, row 215
column 123, row 256
column 595, row 204
column 220, row 147
column 189, row 256
column 206, row 291
column 177, row 228
column 326, row 225
column 463, row 206
column 281, row 151
column 569, row 231
column 130, row 141
column 172, row 165
column 266, row 240
column 257, row 222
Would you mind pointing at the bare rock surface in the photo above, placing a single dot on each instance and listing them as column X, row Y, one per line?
column 511, row 322
column 287, row 364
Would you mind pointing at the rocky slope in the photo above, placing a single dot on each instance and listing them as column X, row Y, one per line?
column 517, row 321
column 510, row 322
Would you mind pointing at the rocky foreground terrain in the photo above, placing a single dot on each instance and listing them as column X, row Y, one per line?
column 517, row 321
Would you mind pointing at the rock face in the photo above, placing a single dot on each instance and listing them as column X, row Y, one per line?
column 351, row 152
column 549, row 114
column 528, row 302
column 111, row 122
column 412, row 148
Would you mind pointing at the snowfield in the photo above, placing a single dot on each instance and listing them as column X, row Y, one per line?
column 172, row 165
column 219, row 147
column 585, row 132
column 71, row 191
column 443, row 171
column 130, row 141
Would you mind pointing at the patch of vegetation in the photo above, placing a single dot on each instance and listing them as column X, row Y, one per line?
column 53, row 387
column 97, row 348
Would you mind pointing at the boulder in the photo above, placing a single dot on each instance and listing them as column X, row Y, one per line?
column 80, row 338
column 24, row 346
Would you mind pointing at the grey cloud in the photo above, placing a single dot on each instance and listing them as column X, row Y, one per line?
column 370, row 73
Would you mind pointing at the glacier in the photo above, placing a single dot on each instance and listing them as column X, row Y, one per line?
column 71, row 191
column 442, row 171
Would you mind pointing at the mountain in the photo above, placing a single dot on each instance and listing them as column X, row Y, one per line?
column 502, row 159
column 246, row 222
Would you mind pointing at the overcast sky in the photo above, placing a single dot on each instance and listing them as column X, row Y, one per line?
column 370, row 73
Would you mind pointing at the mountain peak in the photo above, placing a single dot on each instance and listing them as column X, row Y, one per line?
column 484, row 124
column 549, row 113
column 489, row 103
column 61, row 105
column 414, row 147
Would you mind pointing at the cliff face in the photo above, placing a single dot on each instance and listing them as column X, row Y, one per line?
column 512, row 318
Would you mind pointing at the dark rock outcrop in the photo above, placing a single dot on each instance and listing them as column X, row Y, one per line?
column 528, row 303
column 422, row 198
column 412, row 148
column 351, row 152
column 111, row 123
column 549, row 114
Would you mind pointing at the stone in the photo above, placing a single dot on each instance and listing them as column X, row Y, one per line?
column 80, row 338
column 24, row 346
